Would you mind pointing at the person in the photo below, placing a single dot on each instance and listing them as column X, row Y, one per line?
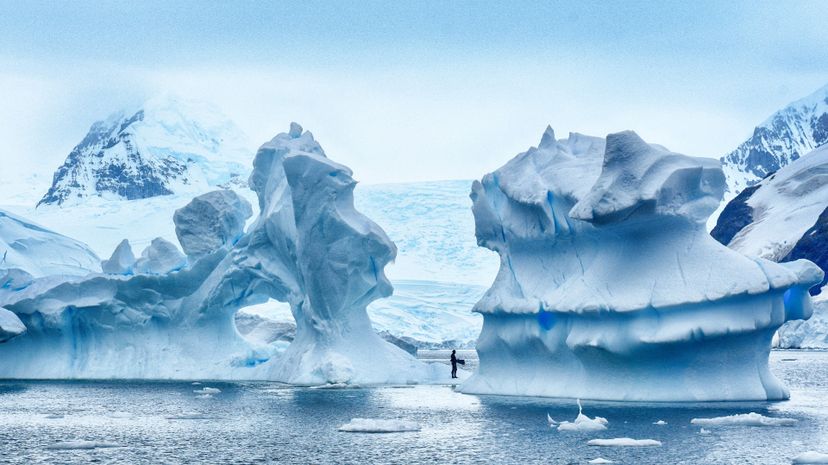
column 453, row 364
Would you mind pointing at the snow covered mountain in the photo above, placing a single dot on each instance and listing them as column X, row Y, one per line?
column 784, row 137
column 784, row 217
column 168, row 146
column 40, row 252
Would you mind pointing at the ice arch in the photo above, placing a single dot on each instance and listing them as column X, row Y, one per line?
column 308, row 247
column 610, row 287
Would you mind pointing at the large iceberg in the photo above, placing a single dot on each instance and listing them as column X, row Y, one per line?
column 39, row 252
column 610, row 287
column 173, row 318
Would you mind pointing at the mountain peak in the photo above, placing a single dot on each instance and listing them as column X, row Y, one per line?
column 167, row 145
column 786, row 135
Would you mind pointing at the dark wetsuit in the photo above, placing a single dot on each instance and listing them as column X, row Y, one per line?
column 453, row 366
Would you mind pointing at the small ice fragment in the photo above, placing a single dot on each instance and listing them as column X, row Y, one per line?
column 190, row 416
column 550, row 420
column 744, row 419
column 334, row 386
column 600, row 460
column 810, row 457
column 207, row 390
column 583, row 422
column 660, row 423
column 623, row 442
column 704, row 432
column 372, row 425
column 196, row 383
column 77, row 445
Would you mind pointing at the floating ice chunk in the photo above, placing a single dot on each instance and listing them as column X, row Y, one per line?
column 583, row 422
column 810, row 457
column 10, row 325
column 75, row 445
column 121, row 261
column 704, row 432
column 660, row 423
column 743, row 419
column 160, row 257
column 190, row 416
column 334, row 386
column 371, row 425
column 196, row 383
column 210, row 221
column 550, row 420
column 600, row 460
column 623, row 442
column 207, row 390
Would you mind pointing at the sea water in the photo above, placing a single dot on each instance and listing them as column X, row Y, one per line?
column 245, row 422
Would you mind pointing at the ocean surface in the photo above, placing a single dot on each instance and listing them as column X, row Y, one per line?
column 108, row 422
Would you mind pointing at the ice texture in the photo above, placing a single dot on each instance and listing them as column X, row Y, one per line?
column 10, row 325
column 122, row 260
column 39, row 252
column 160, row 257
column 610, row 287
column 173, row 318
column 212, row 220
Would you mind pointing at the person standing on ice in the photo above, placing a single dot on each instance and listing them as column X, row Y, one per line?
column 453, row 364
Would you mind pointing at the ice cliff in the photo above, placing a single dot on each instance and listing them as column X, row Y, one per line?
column 169, row 316
column 610, row 287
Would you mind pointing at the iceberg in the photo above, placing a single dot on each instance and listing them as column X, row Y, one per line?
column 174, row 317
column 40, row 252
column 121, row 261
column 10, row 325
column 610, row 287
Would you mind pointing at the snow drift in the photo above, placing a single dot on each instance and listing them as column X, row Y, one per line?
column 610, row 287
column 167, row 316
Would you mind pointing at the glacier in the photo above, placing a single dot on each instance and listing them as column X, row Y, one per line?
column 610, row 287
column 170, row 316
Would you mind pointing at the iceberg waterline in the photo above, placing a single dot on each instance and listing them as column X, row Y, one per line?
column 168, row 316
column 610, row 287
column 558, row 304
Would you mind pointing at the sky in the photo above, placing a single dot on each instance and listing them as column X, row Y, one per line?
column 409, row 91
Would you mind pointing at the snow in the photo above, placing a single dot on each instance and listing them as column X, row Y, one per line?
column 308, row 247
column 784, row 137
column 623, row 442
column 583, row 423
column 81, row 445
column 10, row 325
column 609, row 279
column 743, row 419
column 371, row 425
column 212, row 220
column 40, row 252
column 810, row 457
column 167, row 146
column 785, row 206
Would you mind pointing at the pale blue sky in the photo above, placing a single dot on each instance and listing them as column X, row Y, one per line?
column 406, row 91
